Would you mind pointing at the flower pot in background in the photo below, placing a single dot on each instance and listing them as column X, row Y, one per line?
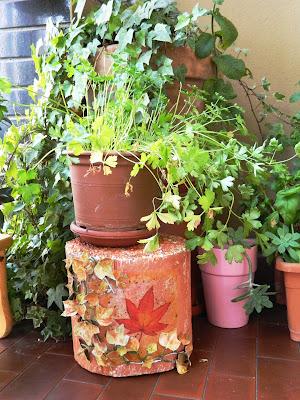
column 197, row 71
column 106, row 213
column 103, row 60
column 220, row 284
column 292, row 286
column 6, row 320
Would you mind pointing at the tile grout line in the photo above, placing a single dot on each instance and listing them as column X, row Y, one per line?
column 104, row 389
column 55, row 386
column 155, row 386
column 256, row 369
column 210, row 368
column 280, row 358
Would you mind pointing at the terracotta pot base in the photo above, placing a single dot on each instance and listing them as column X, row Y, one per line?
column 131, row 310
column 110, row 238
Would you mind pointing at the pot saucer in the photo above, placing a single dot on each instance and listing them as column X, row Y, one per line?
column 110, row 238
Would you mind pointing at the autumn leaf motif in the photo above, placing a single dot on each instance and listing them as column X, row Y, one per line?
column 79, row 270
column 103, row 315
column 98, row 352
column 104, row 269
column 117, row 336
column 169, row 340
column 144, row 318
column 72, row 308
column 86, row 331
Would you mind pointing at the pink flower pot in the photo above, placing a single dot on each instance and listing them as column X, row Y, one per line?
column 220, row 284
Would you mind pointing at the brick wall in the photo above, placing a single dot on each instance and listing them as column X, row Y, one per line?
column 22, row 22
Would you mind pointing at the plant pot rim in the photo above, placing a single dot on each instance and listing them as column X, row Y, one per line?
column 5, row 241
column 125, row 155
column 250, row 241
column 283, row 266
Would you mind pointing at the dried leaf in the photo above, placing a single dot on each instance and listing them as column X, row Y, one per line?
column 169, row 340
column 86, row 331
column 117, row 336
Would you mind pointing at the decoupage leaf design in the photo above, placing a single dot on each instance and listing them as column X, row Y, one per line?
column 86, row 331
column 72, row 308
column 79, row 270
column 104, row 315
column 98, row 352
column 169, row 340
column 144, row 318
column 104, row 269
column 117, row 336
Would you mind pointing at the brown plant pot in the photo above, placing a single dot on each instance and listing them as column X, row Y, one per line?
column 103, row 209
column 292, row 286
column 198, row 70
column 6, row 320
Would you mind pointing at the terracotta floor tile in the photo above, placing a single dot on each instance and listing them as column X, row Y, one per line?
column 32, row 344
column 190, row 385
column 11, row 360
column 18, row 332
column 278, row 379
column 75, row 391
column 222, row 387
column 6, row 377
column 79, row 374
column 204, row 335
column 274, row 316
column 135, row 388
column 248, row 331
column 235, row 355
column 63, row 347
column 275, row 342
column 162, row 397
column 37, row 381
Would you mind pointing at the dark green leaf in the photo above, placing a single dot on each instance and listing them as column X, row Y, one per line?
column 232, row 67
column 204, row 45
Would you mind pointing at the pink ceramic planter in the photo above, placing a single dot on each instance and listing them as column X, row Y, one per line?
column 219, row 284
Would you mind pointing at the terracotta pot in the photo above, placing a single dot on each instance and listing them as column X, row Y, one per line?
column 131, row 311
column 103, row 210
column 103, row 60
column 280, row 296
column 6, row 320
column 220, row 284
column 292, row 286
column 198, row 70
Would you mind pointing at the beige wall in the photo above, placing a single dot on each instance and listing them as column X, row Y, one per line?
column 270, row 29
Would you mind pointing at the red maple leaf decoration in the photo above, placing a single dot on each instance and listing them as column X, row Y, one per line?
column 144, row 318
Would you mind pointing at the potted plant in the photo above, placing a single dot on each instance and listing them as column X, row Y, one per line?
column 285, row 244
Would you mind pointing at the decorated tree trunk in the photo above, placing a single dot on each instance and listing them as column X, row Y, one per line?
column 131, row 311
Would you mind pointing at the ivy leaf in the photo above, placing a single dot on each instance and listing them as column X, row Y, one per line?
column 144, row 59
column 207, row 200
column 104, row 13
column 204, row 45
column 295, row 97
column 124, row 37
column 232, row 67
column 228, row 32
column 56, row 295
column 152, row 221
column 183, row 20
column 279, row 96
column 235, row 253
column 162, row 33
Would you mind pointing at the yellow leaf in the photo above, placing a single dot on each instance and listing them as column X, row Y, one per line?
column 133, row 344
column 169, row 340
column 147, row 363
column 104, row 268
column 182, row 363
column 86, row 331
column 117, row 336
column 103, row 315
column 151, row 348
column 107, row 170
column 98, row 352
column 79, row 270
column 96, row 157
